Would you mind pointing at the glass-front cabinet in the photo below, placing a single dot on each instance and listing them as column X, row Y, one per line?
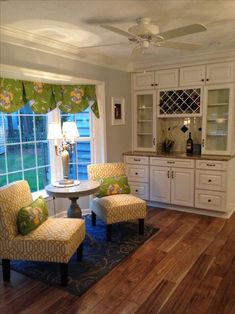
column 218, row 120
column 145, row 121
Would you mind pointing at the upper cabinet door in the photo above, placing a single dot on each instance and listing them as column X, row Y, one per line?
column 167, row 78
column 190, row 76
column 220, row 73
column 143, row 80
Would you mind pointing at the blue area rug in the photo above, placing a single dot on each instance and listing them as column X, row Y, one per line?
column 99, row 256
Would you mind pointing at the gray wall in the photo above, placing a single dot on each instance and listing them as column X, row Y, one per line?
column 117, row 83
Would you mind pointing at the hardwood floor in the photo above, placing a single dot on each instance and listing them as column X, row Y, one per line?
column 187, row 267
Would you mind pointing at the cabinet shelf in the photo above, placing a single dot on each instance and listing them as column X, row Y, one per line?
column 148, row 134
column 218, row 120
column 218, row 104
column 145, row 108
column 145, row 121
column 217, row 134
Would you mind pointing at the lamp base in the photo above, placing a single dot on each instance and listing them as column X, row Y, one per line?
column 66, row 182
column 58, row 184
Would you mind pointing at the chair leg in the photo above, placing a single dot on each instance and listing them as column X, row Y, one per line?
column 93, row 217
column 64, row 274
column 6, row 269
column 109, row 232
column 141, row 226
column 79, row 252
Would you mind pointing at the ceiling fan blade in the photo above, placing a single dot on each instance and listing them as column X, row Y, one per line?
column 103, row 45
column 178, row 45
column 182, row 31
column 120, row 32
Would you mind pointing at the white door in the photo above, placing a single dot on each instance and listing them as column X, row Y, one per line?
column 182, row 186
column 167, row 78
column 145, row 121
column 190, row 76
column 220, row 73
column 218, row 121
column 143, row 80
column 160, row 184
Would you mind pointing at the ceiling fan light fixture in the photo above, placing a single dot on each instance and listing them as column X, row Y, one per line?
column 144, row 28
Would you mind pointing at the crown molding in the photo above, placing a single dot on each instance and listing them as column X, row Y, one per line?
column 207, row 57
column 29, row 40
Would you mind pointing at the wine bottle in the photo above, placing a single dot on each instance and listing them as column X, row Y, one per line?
column 189, row 144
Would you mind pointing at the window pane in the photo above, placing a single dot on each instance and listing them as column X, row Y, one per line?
column 2, row 160
column 73, row 171
column 31, row 177
column 15, row 177
column 83, row 123
column 41, row 127
column 14, row 162
column 27, row 128
column 43, row 153
column 12, row 134
column 44, row 177
column 29, row 156
column 3, row 180
column 82, row 172
column 83, row 152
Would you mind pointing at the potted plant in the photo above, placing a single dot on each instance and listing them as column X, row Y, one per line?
column 168, row 141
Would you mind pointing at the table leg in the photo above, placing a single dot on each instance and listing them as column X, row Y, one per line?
column 74, row 211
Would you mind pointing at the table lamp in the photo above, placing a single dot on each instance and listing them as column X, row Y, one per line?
column 68, row 136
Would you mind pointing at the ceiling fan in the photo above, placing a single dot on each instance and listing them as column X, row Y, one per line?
column 145, row 34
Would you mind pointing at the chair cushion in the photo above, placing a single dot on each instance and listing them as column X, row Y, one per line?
column 120, row 207
column 53, row 241
column 32, row 216
column 112, row 186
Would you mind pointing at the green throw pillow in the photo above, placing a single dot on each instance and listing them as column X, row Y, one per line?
column 113, row 185
column 32, row 216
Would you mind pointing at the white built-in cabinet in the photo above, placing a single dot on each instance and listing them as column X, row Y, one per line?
column 144, row 120
column 218, row 120
column 207, row 74
column 156, row 79
column 172, row 181
column 183, row 183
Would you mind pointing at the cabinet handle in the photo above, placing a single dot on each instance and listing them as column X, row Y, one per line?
column 210, row 165
column 168, row 174
column 170, row 162
column 136, row 159
column 154, row 141
column 209, row 201
column 203, row 142
column 172, row 174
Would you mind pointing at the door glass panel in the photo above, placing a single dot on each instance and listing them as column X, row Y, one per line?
column 217, row 119
column 145, row 121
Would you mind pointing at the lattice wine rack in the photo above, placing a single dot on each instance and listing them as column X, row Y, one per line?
column 181, row 102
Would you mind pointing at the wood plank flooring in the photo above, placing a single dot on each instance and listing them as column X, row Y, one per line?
column 187, row 267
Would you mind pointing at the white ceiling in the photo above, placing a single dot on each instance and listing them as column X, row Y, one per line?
column 65, row 26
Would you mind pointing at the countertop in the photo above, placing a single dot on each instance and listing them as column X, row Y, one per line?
column 178, row 155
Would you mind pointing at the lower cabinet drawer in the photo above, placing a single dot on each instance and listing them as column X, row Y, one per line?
column 211, row 200
column 211, row 180
column 140, row 189
column 137, row 173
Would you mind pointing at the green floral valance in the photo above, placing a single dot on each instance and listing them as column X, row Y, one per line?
column 42, row 97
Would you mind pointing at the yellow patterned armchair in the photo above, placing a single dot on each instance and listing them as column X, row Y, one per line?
column 55, row 240
column 115, row 208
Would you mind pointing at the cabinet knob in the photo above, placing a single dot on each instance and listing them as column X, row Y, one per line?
column 136, row 173
column 207, row 79
column 137, row 190
column 209, row 180
column 152, row 84
column 156, row 84
column 202, row 80
column 209, row 201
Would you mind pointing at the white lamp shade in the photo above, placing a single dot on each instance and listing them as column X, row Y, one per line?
column 70, row 131
column 54, row 131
